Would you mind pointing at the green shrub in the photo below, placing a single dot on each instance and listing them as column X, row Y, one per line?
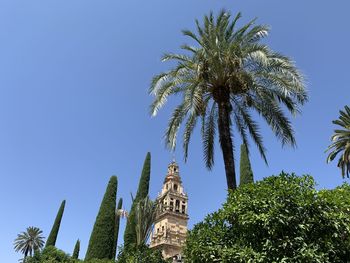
column 51, row 255
column 100, row 261
column 54, row 255
column 140, row 254
column 279, row 219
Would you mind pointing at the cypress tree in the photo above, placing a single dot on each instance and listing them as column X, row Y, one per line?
column 75, row 254
column 116, row 228
column 51, row 240
column 246, row 173
column 101, row 241
column 142, row 192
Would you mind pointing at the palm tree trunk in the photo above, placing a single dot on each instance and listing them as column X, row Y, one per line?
column 224, row 126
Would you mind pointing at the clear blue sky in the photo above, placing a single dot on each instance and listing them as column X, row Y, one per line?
column 74, row 77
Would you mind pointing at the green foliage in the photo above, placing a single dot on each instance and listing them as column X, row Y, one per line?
column 279, row 219
column 76, row 250
column 228, row 71
column 246, row 173
column 29, row 241
column 140, row 254
column 100, row 261
column 116, row 227
column 51, row 240
column 341, row 142
column 51, row 255
column 145, row 215
column 101, row 242
column 142, row 192
column 143, row 188
column 339, row 197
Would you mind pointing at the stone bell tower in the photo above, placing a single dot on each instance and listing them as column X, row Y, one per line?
column 170, row 229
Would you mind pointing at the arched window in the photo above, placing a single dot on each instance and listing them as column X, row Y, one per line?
column 175, row 187
column 177, row 206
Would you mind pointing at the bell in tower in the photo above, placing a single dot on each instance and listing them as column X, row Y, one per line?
column 170, row 229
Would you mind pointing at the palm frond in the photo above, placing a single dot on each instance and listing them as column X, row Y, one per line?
column 257, row 33
column 208, row 137
column 145, row 215
column 189, row 48
column 341, row 142
column 192, row 35
column 248, row 123
column 173, row 126
column 189, row 127
column 276, row 119
column 231, row 26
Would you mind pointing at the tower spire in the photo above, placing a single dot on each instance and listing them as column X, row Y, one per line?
column 174, row 159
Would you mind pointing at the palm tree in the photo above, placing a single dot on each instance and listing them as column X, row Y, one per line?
column 29, row 241
column 341, row 142
column 145, row 214
column 227, row 76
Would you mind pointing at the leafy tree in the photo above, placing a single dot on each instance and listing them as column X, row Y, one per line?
column 116, row 227
column 51, row 255
column 29, row 241
column 142, row 192
column 224, row 78
column 100, row 261
column 338, row 197
column 246, row 173
column 51, row 240
column 101, row 241
column 341, row 142
column 279, row 219
column 143, row 254
column 76, row 250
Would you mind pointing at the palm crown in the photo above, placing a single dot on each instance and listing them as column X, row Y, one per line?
column 341, row 142
column 226, row 76
column 29, row 241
